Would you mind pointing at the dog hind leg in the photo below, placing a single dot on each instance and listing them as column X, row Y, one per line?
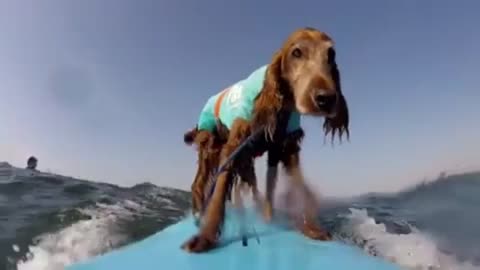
column 198, row 185
column 207, row 238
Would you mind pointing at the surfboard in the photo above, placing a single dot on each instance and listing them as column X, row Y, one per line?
column 267, row 246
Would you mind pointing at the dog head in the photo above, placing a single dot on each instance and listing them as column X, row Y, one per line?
column 304, row 75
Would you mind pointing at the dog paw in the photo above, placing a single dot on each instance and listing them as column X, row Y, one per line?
column 199, row 243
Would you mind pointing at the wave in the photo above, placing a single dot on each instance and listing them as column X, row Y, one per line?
column 432, row 225
column 59, row 221
column 415, row 250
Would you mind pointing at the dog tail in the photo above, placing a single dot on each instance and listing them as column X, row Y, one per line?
column 189, row 136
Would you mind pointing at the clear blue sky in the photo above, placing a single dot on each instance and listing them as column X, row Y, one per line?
column 104, row 90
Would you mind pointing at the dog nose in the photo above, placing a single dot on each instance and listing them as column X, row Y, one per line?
column 326, row 101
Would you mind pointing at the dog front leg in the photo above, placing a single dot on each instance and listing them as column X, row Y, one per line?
column 249, row 179
column 272, row 172
column 307, row 221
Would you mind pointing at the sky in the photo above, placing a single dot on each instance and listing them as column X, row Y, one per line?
column 104, row 90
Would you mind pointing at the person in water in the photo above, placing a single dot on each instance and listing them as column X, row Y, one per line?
column 32, row 163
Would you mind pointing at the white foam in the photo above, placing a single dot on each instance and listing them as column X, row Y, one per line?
column 79, row 241
column 83, row 239
column 415, row 250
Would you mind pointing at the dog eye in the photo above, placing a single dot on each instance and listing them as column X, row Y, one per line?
column 297, row 53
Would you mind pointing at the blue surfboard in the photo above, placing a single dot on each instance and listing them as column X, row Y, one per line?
column 268, row 246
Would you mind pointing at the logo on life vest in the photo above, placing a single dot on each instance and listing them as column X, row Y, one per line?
column 235, row 95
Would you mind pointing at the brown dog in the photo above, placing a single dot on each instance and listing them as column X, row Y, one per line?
column 302, row 79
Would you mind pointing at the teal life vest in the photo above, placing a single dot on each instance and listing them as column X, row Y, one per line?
column 237, row 101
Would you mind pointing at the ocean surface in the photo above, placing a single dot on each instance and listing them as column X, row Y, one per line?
column 49, row 221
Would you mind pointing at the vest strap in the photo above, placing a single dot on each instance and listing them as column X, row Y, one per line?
column 218, row 103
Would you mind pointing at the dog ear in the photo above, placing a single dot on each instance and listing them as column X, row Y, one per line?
column 269, row 102
column 340, row 123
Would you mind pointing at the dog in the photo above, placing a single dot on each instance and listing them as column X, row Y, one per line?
column 301, row 79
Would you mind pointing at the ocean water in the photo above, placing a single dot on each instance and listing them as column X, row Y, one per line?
column 49, row 221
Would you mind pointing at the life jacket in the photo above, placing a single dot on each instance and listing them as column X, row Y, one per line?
column 237, row 101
